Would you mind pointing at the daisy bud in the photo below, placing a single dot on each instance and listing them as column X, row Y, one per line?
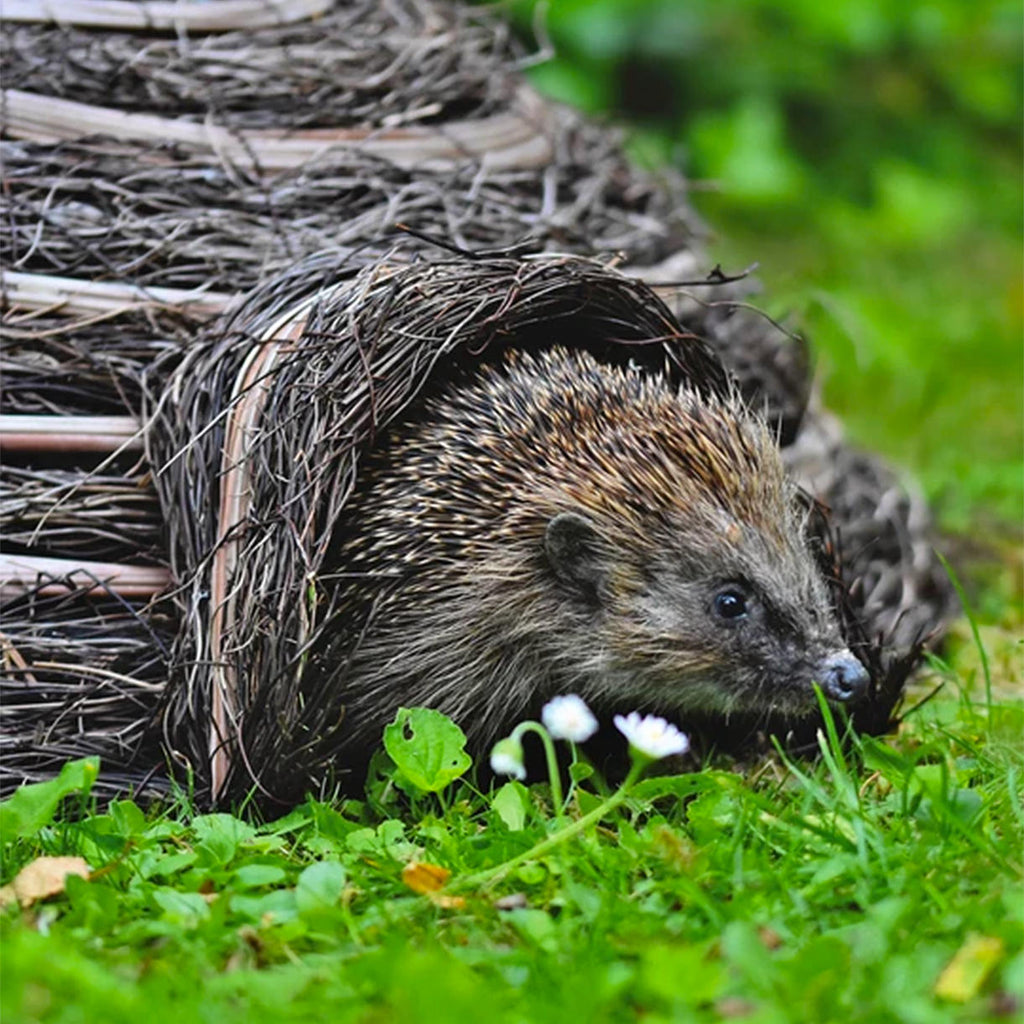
column 507, row 758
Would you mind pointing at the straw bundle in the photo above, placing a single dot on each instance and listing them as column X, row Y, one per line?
column 354, row 163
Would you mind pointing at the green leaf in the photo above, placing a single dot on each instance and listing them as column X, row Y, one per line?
column 511, row 804
column 277, row 906
column 128, row 818
column 170, row 864
column 679, row 786
column 219, row 836
column 428, row 748
column 185, row 908
column 320, row 887
column 1013, row 976
column 686, row 974
column 743, row 949
column 222, row 825
column 34, row 806
column 532, row 874
column 250, row 876
column 292, row 821
column 536, row 926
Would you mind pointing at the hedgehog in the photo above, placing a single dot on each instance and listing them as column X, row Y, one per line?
column 560, row 525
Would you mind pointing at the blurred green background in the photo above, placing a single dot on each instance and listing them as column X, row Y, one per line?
column 868, row 156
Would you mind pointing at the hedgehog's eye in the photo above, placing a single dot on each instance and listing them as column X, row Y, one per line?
column 730, row 604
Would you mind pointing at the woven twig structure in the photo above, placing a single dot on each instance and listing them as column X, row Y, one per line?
column 238, row 240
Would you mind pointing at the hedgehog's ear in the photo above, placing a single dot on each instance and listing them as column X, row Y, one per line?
column 573, row 549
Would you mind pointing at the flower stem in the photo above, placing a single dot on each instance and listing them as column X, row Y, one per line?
column 574, row 828
column 554, row 776
column 574, row 760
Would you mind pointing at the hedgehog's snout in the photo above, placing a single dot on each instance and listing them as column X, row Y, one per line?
column 843, row 678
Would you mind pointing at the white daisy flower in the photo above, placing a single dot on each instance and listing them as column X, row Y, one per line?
column 569, row 718
column 507, row 758
column 652, row 736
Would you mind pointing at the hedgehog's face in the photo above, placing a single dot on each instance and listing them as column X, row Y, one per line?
column 718, row 621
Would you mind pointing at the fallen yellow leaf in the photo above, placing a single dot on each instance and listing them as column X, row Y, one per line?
column 962, row 978
column 424, row 878
column 44, row 877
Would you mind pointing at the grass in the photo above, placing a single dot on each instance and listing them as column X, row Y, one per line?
column 918, row 347
column 866, row 155
column 879, row 883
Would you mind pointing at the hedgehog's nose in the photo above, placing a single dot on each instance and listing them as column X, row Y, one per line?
column 844, row 678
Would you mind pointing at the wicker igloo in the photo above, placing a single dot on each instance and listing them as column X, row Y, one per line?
column 240, row 237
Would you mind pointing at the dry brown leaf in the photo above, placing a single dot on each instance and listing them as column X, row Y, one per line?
column 424, row 878
column 46, row 876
